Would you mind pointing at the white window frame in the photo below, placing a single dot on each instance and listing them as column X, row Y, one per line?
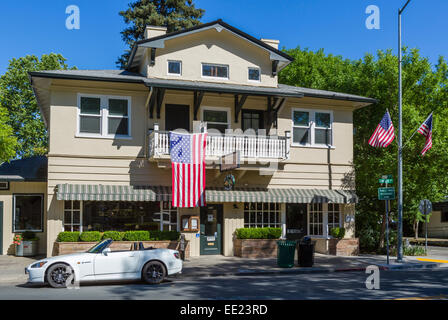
column 41, row 214
column 323, row 212
column 169, row 211
column 259, row 74
column 104, row 116
column 229, row 120
column 215, row 65
column 312, row 127
column 71, row 216
column 277, row 213
column 168, row 68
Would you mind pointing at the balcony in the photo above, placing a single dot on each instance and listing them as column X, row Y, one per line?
column 251, row 147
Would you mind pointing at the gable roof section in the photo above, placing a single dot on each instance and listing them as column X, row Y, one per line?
column 28, row 169
column 159, row 42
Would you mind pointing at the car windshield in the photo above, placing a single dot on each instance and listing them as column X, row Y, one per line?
column 100, row 246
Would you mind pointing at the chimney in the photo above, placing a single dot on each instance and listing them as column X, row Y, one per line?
column 272, row 43
column 154, row 31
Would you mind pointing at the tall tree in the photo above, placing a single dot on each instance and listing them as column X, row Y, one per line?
column 17, row 97
column 425, row 89
column 8, row 142
column 173, row 14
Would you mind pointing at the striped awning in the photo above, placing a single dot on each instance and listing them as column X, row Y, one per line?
column 163, row 193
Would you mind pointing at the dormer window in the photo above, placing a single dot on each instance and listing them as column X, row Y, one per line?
column 254, row 74
column 215, row 70
column 175, row 68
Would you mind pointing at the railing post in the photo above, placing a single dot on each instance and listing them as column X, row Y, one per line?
column 156, row 139
column 287, row 143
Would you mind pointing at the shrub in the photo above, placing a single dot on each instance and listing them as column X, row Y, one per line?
column 136, row 236
column 90, row 236
column 337, row 232
column 68, row 236
column 114, row 235
column 164, row 235
column 258, row 233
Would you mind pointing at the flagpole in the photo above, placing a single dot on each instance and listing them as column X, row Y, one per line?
column 400, row 145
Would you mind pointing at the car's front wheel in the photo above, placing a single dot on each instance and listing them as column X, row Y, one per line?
column 154, row 272
column 58, row 274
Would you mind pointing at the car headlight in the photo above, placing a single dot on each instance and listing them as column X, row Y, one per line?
column 38, row 264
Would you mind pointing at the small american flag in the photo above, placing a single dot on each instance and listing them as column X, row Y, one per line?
column 426, row 130
column 188, row 169
column 384, row 133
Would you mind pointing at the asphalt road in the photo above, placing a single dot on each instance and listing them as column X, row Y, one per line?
column 340, row 285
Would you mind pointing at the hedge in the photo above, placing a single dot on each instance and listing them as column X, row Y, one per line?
column 135, row 235
column 258, row 233
column 337, row 232
column 68, row 236
column 114, row 235
column 90, row 236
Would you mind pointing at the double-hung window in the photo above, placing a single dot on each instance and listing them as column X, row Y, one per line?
column 334, row 216
column 28, row 212
column 175, row 68
column 316, row 222
column 216, row 118
column 215, row 70
column 312, row 127
column 254, row 74
column 104, row 116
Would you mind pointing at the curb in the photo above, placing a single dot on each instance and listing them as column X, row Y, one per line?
column 309, row 270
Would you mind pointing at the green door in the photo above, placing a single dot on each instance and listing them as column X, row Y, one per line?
column 211, row 229
column 1, row 227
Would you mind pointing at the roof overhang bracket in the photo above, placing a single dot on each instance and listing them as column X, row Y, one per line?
column 198, row 95
column 274, row 67
column 239, row 102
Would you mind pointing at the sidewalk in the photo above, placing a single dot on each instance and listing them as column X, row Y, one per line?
column 12, row 269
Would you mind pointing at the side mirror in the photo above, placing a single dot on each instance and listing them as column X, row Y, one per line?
column 106, row 251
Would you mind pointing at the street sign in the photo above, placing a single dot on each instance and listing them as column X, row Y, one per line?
column 386, row 193
column 389, row 181
column 386, row 176
column 425, row 207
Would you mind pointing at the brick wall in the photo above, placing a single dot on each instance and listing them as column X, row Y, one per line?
column 255, row 248
column 344, row 247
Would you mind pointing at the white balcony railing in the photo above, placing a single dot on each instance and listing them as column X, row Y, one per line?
column 249, row 146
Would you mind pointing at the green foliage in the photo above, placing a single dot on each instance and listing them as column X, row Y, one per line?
column 425, row 89
column 173, row 14
column 8, row 142
column 337, row 232
column 164, row 235
column 90, row 236
column 136, row 236
column 258, row 233
column 23, row 116
column 414, row 251
column 114, row 235
column 68, row 236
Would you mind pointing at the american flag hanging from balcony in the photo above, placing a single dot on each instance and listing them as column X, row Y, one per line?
column 187, row 153
column 426, row 130
column 384, row 132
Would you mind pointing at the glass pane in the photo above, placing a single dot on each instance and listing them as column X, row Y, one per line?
column 174, row 67
column 254, row 74
column 173, row 217
column 300, row 135
column 67, row 227
column 67, row 204
column 67, row 217
column 214, row 71
column 76, row 228
column 90, row 105
column 220, row 127
column 322, row 136
column 215, row 116
column 118, row 126
column 272, row 218
column 259, row 217
column 28, row 213
column 118, row 107
column 252, row 217
column 301, row 118
column 322, row 120
column 76, row 205
column 76, row 217
column 90, row 124
column 246, row 217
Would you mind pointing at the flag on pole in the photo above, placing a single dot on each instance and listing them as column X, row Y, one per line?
column 187, row 153
column 384, row 132
column 426, row 130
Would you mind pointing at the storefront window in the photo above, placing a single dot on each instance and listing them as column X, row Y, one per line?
column 316, row 219
column 259, row 215
column 72, row 216
column 333, row 216
column 28, row 212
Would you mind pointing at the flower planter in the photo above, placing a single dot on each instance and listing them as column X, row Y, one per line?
column 343, row 247
column 61, row 248
column 26, row 248
column 255, row 248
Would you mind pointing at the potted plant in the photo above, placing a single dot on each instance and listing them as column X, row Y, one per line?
column 26, row 244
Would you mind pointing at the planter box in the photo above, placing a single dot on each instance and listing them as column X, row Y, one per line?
column 255, row 248
column 343, row 247
column 26, row 249
column 61, row 248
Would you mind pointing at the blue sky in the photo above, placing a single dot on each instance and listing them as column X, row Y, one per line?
column 38, row 27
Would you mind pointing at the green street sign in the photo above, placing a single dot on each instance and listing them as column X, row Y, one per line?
column 386, row 193
column 386, row 176
column 389, row 181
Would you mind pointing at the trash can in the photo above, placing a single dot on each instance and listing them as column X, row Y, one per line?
column 305, row 252
column 285, row 253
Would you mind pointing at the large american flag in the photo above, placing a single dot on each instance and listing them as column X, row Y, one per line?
column 426, row 130
column 384, row 133
column 188, row 169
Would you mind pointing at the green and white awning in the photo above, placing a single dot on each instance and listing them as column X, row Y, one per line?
column 163, row 193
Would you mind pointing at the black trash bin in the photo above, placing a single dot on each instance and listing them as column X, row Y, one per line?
column 305, row 252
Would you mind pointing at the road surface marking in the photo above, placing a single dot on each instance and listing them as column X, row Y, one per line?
column 432, row 260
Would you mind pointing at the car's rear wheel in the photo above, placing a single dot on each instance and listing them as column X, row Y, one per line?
column 58, row 274
column 154, row 272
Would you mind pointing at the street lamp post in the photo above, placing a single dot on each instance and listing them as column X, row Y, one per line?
column 400, row 146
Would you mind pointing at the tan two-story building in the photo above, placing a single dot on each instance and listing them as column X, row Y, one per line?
column 108, row 165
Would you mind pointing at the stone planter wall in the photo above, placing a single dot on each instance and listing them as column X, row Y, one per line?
column 61, row 248
column 343, row 247
column 255, row 248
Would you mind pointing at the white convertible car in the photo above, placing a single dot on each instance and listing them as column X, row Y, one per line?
column 101, row 263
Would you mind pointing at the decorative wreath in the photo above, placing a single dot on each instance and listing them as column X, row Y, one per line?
column 229, row 182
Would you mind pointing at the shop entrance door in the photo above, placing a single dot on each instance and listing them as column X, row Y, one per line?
column 296, row 219
column 211, row 229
